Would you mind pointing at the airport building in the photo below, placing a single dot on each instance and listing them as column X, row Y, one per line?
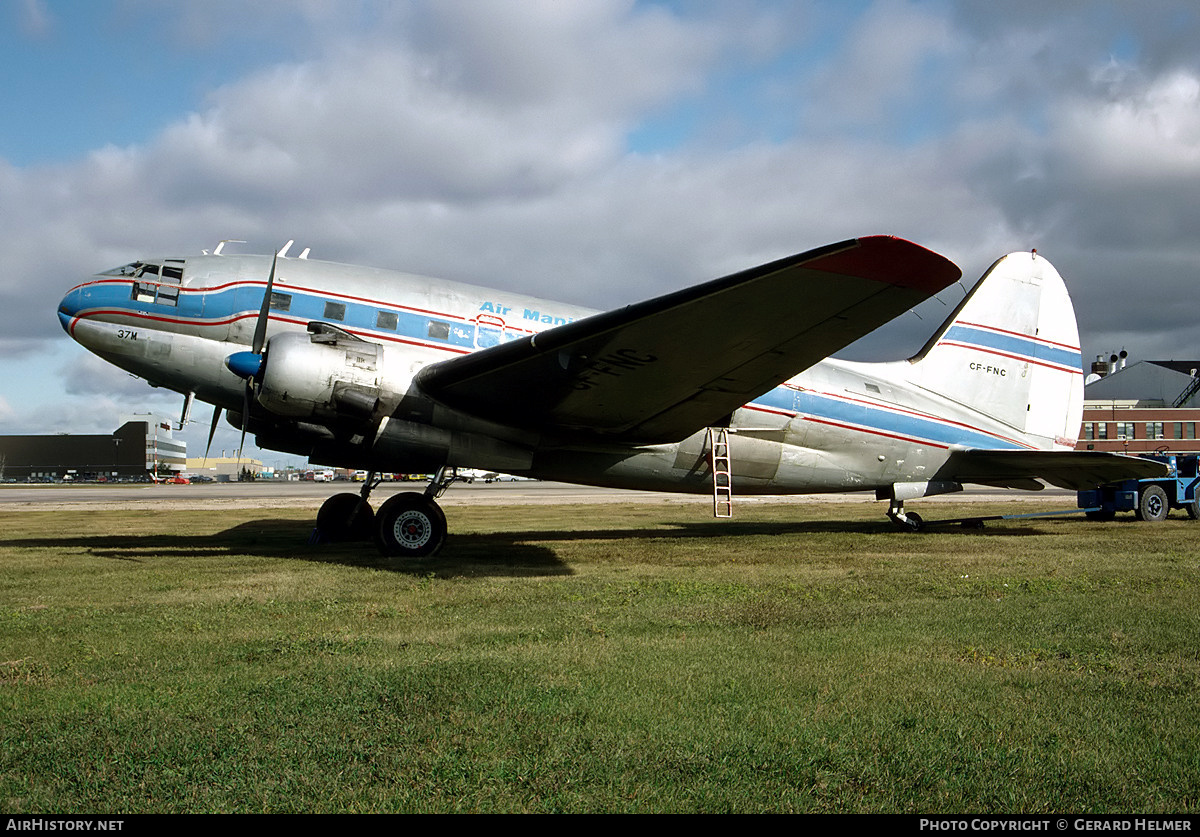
column 141, row 446
column 1148, row 406
column 226, row 468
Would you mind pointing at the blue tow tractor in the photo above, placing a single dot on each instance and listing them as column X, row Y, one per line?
column 1152, row 498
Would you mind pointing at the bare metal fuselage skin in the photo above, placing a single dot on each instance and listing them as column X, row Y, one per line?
column 838, row 426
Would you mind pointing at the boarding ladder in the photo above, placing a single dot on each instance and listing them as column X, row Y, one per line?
column 718, row 458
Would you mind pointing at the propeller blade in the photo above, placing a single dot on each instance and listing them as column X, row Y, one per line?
column 260, row 327
column 245, row 421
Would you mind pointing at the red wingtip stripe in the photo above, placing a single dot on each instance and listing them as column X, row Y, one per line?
column 892, row 261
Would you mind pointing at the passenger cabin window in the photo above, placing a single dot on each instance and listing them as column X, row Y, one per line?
column 387, row 320
column 281, row 302
column 439, row 330
column 335, row 310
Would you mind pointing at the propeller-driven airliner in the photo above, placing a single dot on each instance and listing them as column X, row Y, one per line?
column 722, row 388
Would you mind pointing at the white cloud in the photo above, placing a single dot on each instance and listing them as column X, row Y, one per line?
column 35, row 19
column 884, row 68
column 1152, row 131
column 485, row 142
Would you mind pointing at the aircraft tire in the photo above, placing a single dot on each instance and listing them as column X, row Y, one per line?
column 1152, row 504
column 915, row 522
column 340, row 519
column 410, row 525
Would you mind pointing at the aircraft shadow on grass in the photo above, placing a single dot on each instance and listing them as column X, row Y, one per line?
column 511, row 553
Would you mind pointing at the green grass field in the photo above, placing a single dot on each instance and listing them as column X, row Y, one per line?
column 621, row 658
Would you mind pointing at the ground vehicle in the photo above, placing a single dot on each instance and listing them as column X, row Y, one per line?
column 1151, row 499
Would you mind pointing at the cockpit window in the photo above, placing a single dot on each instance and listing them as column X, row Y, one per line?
column 156, row 282
column 136, row 269
column 172, row 270
column 154, row 292
column 169, row 270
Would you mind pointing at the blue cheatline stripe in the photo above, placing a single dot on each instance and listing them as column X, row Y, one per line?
column 919, row 429
column 215, row 307
column 1015, row 345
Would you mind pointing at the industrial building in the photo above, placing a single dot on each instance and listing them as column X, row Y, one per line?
column 141, row 446
column 227, row 468
column 1148, row 406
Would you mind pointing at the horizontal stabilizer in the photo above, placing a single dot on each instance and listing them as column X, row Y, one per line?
column 1074, row 470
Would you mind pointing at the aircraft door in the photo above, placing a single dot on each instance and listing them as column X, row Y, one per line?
column 491, row 330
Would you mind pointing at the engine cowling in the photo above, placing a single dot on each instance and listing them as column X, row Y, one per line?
column 323, row 375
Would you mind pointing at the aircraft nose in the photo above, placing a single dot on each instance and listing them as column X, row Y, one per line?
column 69, row 307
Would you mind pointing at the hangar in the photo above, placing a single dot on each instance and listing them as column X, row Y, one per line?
column 1148, row 406
column 141, row 446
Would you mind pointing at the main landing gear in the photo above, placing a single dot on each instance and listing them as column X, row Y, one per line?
column 408, row 525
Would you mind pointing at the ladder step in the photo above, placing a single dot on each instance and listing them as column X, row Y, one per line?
column 718, row 457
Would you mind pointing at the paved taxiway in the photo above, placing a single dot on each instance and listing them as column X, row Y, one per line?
column 311, row 495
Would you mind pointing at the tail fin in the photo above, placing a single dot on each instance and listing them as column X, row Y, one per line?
column 1011, row 351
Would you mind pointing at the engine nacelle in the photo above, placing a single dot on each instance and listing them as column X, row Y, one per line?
column 400, row 445
column 324, row 375
column 405, row 441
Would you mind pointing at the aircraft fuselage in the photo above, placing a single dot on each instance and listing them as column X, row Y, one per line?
column 838, row 426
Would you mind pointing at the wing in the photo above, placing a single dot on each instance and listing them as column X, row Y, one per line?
column 659, row 370
column 1076, row 470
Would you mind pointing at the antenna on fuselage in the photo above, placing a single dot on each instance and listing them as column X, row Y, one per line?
column 221, row 246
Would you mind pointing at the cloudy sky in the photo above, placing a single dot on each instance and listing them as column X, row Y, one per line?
column 595, row 151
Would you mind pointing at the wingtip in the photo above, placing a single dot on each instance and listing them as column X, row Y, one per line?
column 894, row 261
